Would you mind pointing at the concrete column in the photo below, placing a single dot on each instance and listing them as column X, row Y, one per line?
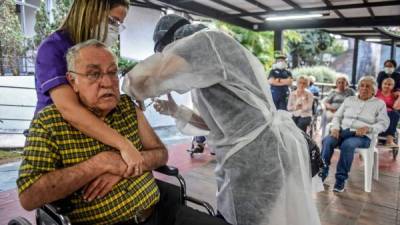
column 355, row 62
column 278, row 40
column 393, row 50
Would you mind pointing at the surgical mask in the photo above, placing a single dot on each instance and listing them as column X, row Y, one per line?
column 112, row 36
column 281, row 65
column 389, row 70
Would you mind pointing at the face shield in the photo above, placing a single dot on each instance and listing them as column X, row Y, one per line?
column 165, row 29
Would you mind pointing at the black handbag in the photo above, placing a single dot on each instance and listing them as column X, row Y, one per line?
column 316, row 162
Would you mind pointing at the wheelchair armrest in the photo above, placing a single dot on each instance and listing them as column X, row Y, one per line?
column 61, row 206
column 168, row 170
column 204, row 204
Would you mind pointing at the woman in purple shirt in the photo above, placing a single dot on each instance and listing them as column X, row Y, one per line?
column 87, row 19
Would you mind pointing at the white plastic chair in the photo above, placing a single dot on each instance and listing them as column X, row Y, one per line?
column 371, row 163
column 370, row 158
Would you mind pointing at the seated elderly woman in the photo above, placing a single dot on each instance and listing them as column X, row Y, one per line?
column 334, row 100
column 300, row 104
column 387, row 95
column 353, row 126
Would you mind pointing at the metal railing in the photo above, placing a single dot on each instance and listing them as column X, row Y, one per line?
column 25, row 66
column 4, row 119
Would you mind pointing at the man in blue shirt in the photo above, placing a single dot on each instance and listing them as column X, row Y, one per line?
column 280, row 79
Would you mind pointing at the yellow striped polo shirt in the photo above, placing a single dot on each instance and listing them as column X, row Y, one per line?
column 53, row 143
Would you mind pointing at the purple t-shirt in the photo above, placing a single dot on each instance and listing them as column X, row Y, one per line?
column 51, row 66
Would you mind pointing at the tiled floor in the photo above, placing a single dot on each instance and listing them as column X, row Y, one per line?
column 352, row 207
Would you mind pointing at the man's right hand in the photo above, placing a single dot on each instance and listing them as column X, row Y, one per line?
column 335, row 133
column 100, row 186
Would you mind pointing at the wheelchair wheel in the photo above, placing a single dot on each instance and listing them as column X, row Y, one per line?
column 395, row 151
column 19, row 221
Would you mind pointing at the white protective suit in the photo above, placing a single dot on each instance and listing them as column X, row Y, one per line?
column 263, row 168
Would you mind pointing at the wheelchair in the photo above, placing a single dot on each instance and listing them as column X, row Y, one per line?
column 54, row 213
column 316, row 113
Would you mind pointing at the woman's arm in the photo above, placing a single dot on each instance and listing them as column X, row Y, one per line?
column 382, row 120
column 328, row 100
column 291, row 102
column 339, row 114
column 82, row 119
column 307, row 105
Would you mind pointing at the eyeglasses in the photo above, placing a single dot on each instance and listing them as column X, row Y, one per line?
column 114, row 22
column 94, row 76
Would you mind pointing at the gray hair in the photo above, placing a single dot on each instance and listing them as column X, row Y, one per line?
column 74, row 51
column 389, row 78
column 369, row 79
column 312, row 79
column 342, row 76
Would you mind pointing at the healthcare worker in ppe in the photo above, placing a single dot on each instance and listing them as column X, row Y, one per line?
column 263, row 173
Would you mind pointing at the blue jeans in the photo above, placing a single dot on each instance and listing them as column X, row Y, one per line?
column 280, row 97
column 347, row 143
column 302, row 122
column 394, row 119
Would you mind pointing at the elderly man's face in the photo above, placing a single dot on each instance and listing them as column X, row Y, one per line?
column 96, row 80
column 365, row 90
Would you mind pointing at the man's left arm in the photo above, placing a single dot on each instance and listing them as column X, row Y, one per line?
column 154, row 151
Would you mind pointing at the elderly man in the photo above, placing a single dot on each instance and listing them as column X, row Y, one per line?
column 355, row 122
column 60, row 161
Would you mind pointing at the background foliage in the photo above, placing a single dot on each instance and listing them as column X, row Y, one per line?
column 322, row 74
column 305, row 48
column 44, row 26
column 11, row 38
column 309, row 50
column 259, row 43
